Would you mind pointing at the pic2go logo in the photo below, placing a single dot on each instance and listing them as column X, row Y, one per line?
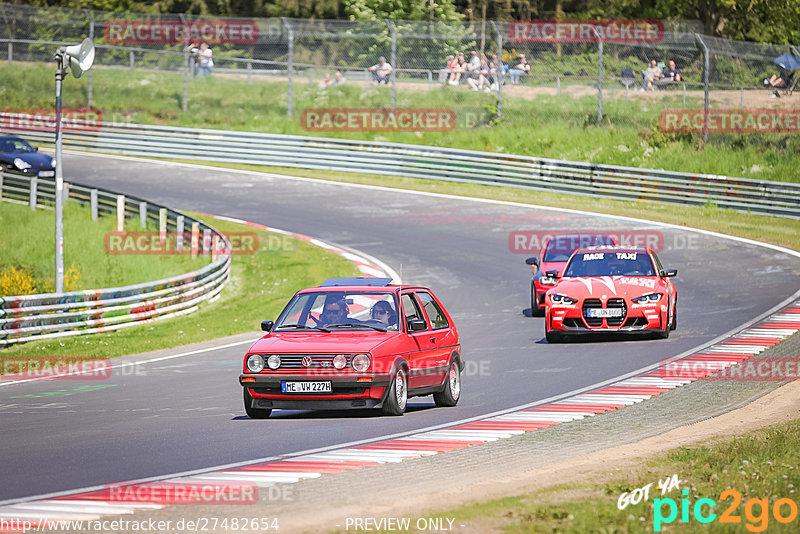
column 756, row 511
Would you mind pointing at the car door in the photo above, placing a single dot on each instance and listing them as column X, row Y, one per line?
column 419, row 361
column 441, row 338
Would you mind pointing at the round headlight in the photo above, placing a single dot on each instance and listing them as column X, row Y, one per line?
column 361, row 362
column 53, row 162
column 255, row 363
column 339, row 361
column 274, row 361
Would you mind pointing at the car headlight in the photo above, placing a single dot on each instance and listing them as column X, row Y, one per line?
column 339, row 361
column 274, row 361
column 53, row 162
column 255, row 363
column 21, row 165
column 555, row 297
column 360, row 362
column 652, row 297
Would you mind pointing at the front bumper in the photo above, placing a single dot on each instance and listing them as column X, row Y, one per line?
column 347, row 392
column 571, row 319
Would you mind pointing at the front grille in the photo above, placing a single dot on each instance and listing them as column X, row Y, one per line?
column 616, row 303
column 592, row 303
column 318, row 361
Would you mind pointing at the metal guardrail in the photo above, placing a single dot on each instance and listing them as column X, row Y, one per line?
column 448, row 164
column 44, row 316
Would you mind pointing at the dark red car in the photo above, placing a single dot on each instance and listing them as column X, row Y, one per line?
column 354, row 343
column 555, row 252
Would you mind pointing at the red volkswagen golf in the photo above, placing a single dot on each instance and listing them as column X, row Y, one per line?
column 354, row 343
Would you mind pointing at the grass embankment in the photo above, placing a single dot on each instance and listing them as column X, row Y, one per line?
column 28, row 243
column 762, row 465
column 259, row 287
column 535, row 123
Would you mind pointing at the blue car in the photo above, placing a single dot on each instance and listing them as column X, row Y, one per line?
column 16, row 154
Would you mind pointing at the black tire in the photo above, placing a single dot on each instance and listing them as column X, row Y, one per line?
column 674, row 324
column 254, row 413
column 536, row 310
column 553, row 337
column 452, row 387
column 664, row 334
column 397, row 396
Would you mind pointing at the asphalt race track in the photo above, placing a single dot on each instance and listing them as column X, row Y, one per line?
column 186, row 413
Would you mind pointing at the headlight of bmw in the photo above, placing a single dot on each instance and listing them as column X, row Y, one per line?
column 555, row 297
column 652, row 297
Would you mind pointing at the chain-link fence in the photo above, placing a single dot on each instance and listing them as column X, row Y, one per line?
column 328, row 72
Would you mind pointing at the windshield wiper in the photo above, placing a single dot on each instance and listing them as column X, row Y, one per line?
column 304, row 327
column 358, row 325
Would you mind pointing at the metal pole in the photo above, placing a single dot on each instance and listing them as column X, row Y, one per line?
column 59, row 283
column 186, row 66
column 393, row 59
column 599, row 78
column 499, row 76
column 706, row 68
column 91, row 71
column 289, row 65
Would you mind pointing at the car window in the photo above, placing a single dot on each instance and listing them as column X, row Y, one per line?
column 622, row 263
column 367, row 310
column 410, row 308
column 659, row 268
column 435, row 314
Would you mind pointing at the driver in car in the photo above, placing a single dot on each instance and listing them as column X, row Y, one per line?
column 334, row 312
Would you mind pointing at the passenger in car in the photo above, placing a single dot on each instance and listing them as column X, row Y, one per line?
column 382, row 311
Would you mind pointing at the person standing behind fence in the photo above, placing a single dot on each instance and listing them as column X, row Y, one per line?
column 381, row 72
column 205, row 64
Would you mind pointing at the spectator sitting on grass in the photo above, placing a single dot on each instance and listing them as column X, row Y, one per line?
column 381, row 72
column 458, row 70
column 326, row 82
column 339, row 78
column 652, row 75
column 481, row 82
column 672, row 74
column 522, row 68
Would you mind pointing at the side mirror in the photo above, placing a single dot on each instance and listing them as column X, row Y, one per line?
column 266, row 326
column 417, row 325
column 532, row 261
column 665, row 273
column 552, row 274
column 36, row 149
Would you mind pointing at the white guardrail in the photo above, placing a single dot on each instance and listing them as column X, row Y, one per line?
column 437, row 163
column 44, row 316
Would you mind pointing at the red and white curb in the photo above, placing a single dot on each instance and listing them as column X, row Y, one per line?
column 733, row 350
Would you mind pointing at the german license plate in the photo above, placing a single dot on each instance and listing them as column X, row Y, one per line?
column 603, row 312
column 306, row 387
column 47, row 174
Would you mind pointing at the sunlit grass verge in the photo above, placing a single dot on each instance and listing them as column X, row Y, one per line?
column 27, row 243
column 762, row 465
column 775, row 230
column 534, row 123
column 259, row 287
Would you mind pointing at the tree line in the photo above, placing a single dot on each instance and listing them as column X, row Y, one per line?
column 769, row 21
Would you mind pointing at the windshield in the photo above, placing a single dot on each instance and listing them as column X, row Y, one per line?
column 340, row 310
column 561, row 247
column 610, row 264
column 15, row 146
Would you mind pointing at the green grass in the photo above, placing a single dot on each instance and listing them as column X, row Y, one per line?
column 763, row 464
column 30, row 246
column 260, row 286
column 561, row 127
